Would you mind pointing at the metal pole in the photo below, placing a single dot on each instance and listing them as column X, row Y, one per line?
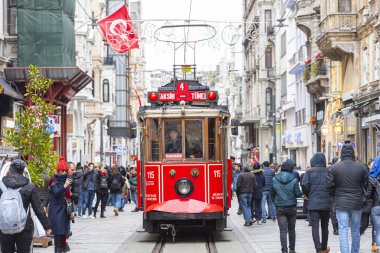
column 274, row 129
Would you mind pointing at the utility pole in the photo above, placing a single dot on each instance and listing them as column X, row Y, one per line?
column 274, row 129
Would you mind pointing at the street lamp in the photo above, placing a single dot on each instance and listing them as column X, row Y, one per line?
column 338, row 128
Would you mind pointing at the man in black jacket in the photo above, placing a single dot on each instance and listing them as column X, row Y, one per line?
column 29, row 195
column 345, row 181
column 245, row 186
column 314, row 188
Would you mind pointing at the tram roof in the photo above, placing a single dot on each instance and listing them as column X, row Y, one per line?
column 176, row 111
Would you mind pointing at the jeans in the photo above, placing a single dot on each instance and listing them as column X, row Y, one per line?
column 88, row 198
column 80, row 203
column 271, row 208
column 346, row 217
column 116, row 200
column 286, row 218
column 375, row 215
column 245, row 199
column 256, row 208
column 134, row 196
column 315, row 217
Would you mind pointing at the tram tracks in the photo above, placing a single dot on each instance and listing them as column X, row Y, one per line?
column 164, row 243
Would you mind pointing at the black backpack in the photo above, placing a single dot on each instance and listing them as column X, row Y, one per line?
column 115, row 184
column 103, row 183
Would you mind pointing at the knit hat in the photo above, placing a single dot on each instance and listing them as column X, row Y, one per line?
column 62, row 165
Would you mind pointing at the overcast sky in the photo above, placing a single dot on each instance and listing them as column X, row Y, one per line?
column 161, row 56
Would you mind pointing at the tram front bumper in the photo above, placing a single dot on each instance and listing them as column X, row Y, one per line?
column 188, row 208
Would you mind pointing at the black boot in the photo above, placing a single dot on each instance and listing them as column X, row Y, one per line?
column 336, row 231
column 95, row 213
column 66, row 248
column 102, row 214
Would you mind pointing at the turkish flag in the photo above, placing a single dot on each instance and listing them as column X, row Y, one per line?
column 118, row 31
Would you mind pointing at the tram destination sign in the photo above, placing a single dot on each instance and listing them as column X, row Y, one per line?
column 182, row 93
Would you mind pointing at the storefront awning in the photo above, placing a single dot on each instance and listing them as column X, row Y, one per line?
column 8, row 90
column 67, row 81
column 249, row 120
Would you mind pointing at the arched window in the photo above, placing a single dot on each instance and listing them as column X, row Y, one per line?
column 106, row 90
column 344, row 6
column 268, row 101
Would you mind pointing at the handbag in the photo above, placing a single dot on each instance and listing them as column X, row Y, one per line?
column 69, row 210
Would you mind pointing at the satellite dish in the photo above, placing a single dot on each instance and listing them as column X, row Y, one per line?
column 280, row 23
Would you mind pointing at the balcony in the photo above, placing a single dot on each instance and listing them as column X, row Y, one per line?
column 297, row 63
column 306, row 16
column 316, row 78
column 338, row 35
column 109, row 60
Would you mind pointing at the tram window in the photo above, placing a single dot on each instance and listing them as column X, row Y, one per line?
column 154, row 137
column 173, row 139
column 211, row 139
column 194, row 138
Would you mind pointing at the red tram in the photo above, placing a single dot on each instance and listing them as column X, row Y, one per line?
column 184, row 175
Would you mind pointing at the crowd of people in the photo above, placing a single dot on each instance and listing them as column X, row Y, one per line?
column 344, row 190
column 68, row 193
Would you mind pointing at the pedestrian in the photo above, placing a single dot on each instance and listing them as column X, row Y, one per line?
column 319, row 200
column 29, row 196
column 284, row 193
column 373, row 195
column 367, row 209
column 59, row 194
column 133, row 189
column 257, row 195
column 77, row 189
column 235, row 176
column 346, row 181
column 334, row 220
column 116, row 184
column 267, row 200
column 89, row 188
column 124, row 192
column 102, row 191
column 245, row 187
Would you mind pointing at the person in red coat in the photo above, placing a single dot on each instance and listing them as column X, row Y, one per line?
column 59, row 193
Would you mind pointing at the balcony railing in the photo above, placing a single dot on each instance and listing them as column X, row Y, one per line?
column 315, row 69
column 109, row 60
column 339, row 22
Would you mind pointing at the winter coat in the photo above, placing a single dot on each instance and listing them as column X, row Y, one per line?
column 133, row 183
column 371, row 193
column 120, row 179
column 260, row 183
column 314, row 184
column 90, row 177
column 346, row 181
column 285, row 187
column 59, row 220
column 268, row 175
column 29, row 196
column 246, row 183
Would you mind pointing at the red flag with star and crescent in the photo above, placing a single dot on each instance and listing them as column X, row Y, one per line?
column 118, row 31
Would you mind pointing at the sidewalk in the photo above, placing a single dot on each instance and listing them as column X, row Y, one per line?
column 266, row 238
column 102, row 235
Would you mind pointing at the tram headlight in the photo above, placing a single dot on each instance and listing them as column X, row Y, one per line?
column 184, row 187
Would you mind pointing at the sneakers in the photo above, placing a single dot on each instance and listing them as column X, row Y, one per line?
column 259, row 222
column 263, row 220
column 274, row 219
column 116, row 211
column 253, row 220
column 84, row 216
column 91, row 217
column 239, row 212
column 135, row 210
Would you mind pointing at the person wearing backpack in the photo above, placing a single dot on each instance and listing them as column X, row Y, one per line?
column 116, row 184
column 59, row 194
column 373, row 193
column 17, row 230
column 102, row 192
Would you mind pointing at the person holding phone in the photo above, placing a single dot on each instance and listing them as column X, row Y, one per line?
column 59, row 194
